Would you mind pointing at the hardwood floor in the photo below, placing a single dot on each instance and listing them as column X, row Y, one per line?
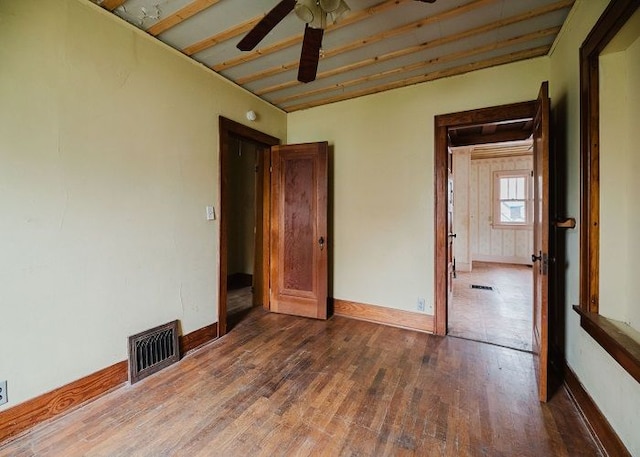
column 284, row 386
column 239, row 300
column 500, row 316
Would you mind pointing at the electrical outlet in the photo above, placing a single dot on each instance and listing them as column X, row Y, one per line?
column 429, row 308
column 3, row 392
column 420, row 304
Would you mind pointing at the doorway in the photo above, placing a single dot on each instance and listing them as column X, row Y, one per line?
column 476, row 121
column 546, row 274
column 243, row 240
column 244, row 210
column 491, row 300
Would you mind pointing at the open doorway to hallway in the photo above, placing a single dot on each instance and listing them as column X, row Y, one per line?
column 492, row 238
column 244, row 215
column 242, row 170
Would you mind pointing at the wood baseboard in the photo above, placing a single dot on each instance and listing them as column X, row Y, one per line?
column 197, row 338
column 26, row 415
column 600, row 429
column 502, row 259
column 239, row 281
column 382, row 315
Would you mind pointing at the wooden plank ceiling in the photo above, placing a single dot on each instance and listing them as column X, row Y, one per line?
column 379, row 45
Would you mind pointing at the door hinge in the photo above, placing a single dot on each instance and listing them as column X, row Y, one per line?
column 257, row 168
column 270, row 169
column 545, row 264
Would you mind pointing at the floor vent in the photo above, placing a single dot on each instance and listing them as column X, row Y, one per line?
column 152, row 350
column 476, row 286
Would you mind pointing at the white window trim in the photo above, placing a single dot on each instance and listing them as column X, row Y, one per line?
column 528, row 203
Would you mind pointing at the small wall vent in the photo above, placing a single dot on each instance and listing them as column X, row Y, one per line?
column 152, row 350
column 477, row 286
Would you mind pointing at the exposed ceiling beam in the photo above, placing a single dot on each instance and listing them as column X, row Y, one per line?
column 428, row 45
column 501, row 151
column 497, row 137
column 182, row 14
column 407, row 68
column 375, row 38
column 111, row 4
column 231, row 32
column 351, row 19
column 507, row 58
column 488, row 129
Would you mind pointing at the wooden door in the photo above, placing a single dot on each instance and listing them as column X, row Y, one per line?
column 540, row 256
column 299, row 230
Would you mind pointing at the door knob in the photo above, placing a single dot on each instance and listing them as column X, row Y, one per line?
column 453, row 235
column 535, row 258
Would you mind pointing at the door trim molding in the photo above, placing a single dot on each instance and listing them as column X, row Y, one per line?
column 442, row 123
column 227, row 129
column 382, row 315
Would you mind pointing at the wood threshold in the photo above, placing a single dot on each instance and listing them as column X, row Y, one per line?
column 624, row 349
column 602, row 432
column 383, row 315
column 24, row 416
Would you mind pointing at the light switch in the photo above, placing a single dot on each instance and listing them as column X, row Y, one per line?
column 211, row 213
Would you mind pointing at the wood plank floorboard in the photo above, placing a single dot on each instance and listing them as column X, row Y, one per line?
column 285, row 386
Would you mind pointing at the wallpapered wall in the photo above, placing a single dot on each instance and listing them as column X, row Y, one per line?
column 488, row 243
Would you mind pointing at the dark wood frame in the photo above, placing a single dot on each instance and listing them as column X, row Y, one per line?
column 622, row 348
column 229, row 128
column 443, row 122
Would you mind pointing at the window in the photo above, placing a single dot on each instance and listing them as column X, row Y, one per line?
column 511, row 198
column 620, row 341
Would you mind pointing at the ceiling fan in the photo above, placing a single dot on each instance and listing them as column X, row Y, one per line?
column 315, row 14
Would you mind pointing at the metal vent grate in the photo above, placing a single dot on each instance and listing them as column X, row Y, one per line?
column 476, row 286
column 152, row 350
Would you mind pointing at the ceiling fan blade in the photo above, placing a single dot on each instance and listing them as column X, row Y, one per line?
column 266, row 24
column 310, row 54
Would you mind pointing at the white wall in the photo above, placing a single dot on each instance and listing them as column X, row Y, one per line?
column 109, row 155
column 616, row 393
column 490, row 244
column 384, row 178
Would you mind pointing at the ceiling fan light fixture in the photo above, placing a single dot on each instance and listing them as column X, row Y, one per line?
column 320, row 21
column 340, row 12
column 308, row 10
column 329, row 6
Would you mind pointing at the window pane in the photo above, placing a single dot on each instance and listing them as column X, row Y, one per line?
column 504, row 186
column 520, row 188
column 512, row 212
